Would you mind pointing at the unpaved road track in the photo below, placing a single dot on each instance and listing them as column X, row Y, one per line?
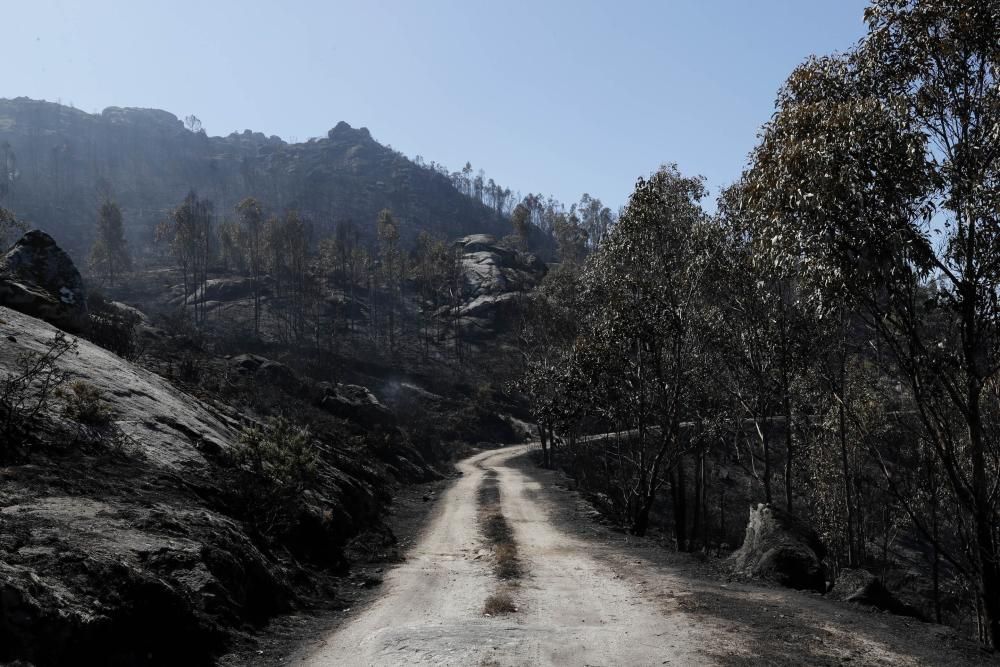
column 586, row 601
column 572, row 609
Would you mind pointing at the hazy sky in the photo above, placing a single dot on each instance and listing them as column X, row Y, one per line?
column 557, row 97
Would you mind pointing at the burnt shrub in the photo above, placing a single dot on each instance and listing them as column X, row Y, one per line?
column 112, row 327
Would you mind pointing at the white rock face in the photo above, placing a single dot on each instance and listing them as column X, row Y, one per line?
column 168, row 426
column 484, row 273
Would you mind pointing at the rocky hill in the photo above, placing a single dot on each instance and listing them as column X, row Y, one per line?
column 53, row 158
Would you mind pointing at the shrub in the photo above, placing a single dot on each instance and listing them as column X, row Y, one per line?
column 499, row 603
column 121, row 443
column 85, row 403
column 113, row 328
column 25, row 392
column 274, row 465
column 496, row 529
column 507, row 565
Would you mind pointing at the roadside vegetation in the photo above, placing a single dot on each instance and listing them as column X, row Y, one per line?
column 825, row 341
column 27, row 389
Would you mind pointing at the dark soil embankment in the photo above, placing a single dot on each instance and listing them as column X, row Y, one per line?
column 117, row 539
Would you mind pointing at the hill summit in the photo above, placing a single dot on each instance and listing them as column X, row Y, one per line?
column 55, row 159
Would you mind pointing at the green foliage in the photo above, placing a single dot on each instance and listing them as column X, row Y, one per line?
column 627, row 353
column 274, row 465
column 875, row 185
column 280, row 452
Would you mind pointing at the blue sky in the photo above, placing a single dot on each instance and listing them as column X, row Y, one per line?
column 557, row 97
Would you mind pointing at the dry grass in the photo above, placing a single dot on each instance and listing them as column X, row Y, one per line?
column 499, row 603
column 500, row 537
column 496, row 529
column 507, row 564
column 489, row 494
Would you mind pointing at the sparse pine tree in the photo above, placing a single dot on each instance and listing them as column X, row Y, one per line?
column 109, row 256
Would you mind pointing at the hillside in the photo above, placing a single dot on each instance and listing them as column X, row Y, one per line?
column 183, row 490
column 54, row 157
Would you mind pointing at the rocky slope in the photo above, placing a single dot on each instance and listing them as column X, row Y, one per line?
column 495, row 281
column 116, row 547
column 118, row 539
column 130, row 533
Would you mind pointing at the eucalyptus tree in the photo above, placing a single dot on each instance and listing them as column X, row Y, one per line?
column 756, row 340
column 645, row 284
column 288, row 239
column 595, row 218
column 571, row 239
column 520, row 220
column 548, row 336
column 877, row 178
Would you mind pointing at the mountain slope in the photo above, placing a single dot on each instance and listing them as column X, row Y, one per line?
column 122, row 531
column 52, row 158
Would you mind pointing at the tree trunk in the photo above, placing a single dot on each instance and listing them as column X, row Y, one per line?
column 852, row 554
column 789, row 452
column 641, row 522
column 936, row 563
column 698, row 486
column 680, row 506
column 765, row 445
column 986, row 552
column 552, row 445
column 704, row 502
column 543, row 440
column 722, row 513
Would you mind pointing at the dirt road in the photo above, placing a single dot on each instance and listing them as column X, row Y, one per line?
column 572, row 610
column 587, row 601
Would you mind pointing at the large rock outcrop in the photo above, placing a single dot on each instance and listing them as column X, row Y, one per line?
column 355, row 403
column 780, row 547
column 39, row 279
column 495, row 278
column 491, row 269
column 267, row 371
